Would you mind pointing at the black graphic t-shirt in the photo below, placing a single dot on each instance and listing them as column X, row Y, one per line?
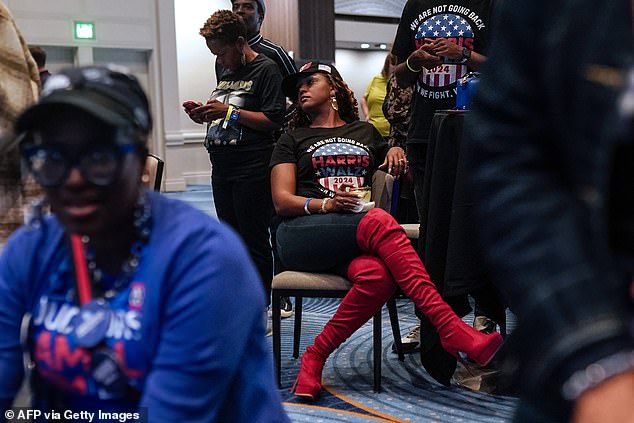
column 465, row 22
column 257, row 86
column 329, row 157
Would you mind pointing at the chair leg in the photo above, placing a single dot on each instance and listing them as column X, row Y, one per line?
column 376, row 349
column 396, row 328
column 277, row 337
column 297, row 328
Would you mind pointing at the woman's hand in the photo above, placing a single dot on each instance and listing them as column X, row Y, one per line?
column 211, row 111
column 344, row 201
column 189, row 106
column 395, row 162
column 424, row 57
column 444, row 48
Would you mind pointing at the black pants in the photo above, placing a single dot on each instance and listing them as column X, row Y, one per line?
column 416, row 158
column 243, row 200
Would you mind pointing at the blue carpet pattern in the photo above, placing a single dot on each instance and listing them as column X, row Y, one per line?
column 199, row 196
column 408, row 394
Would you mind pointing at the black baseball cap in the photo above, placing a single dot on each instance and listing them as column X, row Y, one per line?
column 289, row 84
column 109, row 93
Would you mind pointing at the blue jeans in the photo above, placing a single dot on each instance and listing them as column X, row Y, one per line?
column 318, row 242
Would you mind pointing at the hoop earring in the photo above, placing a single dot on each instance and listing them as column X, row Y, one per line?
column 333, row 103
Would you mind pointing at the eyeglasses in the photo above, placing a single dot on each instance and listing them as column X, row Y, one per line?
column 99, row 165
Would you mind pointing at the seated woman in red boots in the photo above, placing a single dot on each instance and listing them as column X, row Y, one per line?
column 314, row 167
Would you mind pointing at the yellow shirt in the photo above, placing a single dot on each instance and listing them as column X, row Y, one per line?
column 374, row 96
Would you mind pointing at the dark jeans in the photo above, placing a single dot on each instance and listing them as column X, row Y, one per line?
column 319, row 242
column 244, row 202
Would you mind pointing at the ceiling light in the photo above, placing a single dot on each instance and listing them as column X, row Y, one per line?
column 365, row 45
column 383, row 46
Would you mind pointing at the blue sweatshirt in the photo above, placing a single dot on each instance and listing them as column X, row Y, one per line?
column 178, row 328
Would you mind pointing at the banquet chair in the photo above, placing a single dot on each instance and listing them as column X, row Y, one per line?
column 322, row 285
column 153, row 172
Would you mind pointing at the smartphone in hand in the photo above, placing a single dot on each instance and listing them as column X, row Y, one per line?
column 189, row 105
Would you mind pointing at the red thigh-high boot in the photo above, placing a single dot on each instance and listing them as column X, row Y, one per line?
column 378, row 233
column 372, row 287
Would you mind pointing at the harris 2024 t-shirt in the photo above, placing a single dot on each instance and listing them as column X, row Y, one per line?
column 465, row 22
column 329, row 157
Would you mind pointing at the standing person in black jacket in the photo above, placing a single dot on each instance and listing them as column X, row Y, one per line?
column 553, row 153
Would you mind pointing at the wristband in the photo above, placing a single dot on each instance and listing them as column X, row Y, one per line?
column 597, row 373
column 306, row 210
column 235, row 114
column 227, row 117
column 322, row 209
column 410, row 68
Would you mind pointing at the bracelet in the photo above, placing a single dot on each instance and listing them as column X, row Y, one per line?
column 596, row 373
column 235, row 114
column 227, row 117
column 322, row 209
column 410, row 68
column 306, row 210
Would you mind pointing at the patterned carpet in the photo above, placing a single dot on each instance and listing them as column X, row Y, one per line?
column 408, row 394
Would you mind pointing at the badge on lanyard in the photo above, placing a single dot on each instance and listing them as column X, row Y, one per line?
column 107, row 372
column 90, row 326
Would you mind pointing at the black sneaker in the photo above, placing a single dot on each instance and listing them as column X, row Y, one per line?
column 286, row 308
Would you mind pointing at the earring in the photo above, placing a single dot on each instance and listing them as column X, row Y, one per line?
column 333, row 103
column 243, row 59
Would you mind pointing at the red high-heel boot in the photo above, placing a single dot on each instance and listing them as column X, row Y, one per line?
column 457, row 337
column 372, row 287
column 378, row 233
column 308, row 382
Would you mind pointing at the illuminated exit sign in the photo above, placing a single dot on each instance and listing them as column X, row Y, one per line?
column 84, row 30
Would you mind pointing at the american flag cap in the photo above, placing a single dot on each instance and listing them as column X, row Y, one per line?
column 289, row 84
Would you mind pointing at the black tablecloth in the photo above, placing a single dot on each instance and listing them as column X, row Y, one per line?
column 450, row 250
